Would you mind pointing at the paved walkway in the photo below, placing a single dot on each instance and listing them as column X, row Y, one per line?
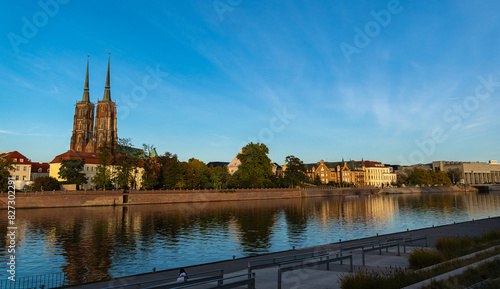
column 319, row 277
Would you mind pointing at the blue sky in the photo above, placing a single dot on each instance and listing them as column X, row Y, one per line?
column 393, row 81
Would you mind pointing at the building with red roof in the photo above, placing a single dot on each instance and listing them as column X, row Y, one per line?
column 21, row 171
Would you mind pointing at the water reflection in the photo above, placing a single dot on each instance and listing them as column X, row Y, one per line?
column 96, row 243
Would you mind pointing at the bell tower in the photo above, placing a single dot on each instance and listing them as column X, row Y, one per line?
column 105, row 123
column 83, row 124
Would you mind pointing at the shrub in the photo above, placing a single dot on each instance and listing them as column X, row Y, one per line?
column 421, row 258
column 491, row 236
column 450, row 245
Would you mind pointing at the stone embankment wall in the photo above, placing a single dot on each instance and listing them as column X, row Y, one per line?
column 420, row 190
column 117, row 198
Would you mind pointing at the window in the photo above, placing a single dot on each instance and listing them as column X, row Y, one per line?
column 21, row 160
column 17, row 178
column 24, row 178
column 18, row 168
column 39, row 170
column 14, row 160
column 24, row 168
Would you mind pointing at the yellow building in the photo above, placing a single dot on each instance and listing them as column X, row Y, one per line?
column 90, row 168
column 379, row 175
column 350, row 172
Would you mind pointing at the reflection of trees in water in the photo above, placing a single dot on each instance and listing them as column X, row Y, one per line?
column 296, row 221
column 255, row 229
column 87, row 253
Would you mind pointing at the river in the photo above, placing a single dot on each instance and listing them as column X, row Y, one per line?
column 95, row 243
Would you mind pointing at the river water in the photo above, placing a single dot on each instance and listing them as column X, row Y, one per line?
column 96, row 243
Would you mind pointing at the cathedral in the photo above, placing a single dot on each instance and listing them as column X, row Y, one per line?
column 89, row 135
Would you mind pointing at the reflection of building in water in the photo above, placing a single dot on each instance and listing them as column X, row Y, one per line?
column 354, row 209
column 472, row 172
column 476, row 204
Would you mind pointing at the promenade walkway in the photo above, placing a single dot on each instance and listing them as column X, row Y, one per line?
column 319, row 277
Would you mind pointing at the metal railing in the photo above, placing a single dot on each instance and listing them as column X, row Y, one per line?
column 45, row 281
column 410, row 240
column 248, row 280
column 272, row 262
column 379, row 248
column 169, row 282
column 327, row 261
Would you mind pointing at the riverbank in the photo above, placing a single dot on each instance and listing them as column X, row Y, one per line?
column 240, row 265
column 58, row 199
column 423, row 190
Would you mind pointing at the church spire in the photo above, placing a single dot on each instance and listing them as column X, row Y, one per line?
column 85, row 97
column 107, row 92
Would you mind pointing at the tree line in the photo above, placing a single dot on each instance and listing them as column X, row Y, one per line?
column 119, row 167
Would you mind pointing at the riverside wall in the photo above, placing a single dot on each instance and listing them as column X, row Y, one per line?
column 117, row 198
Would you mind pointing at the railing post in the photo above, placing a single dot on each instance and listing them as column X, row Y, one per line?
column 399, row 252
column 328, row 262
column 363, row 255
column 279, row 278
column 350, row 258
column 252, row 285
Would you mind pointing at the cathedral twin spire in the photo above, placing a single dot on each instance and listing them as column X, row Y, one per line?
column 94, row 127
column 107, row 91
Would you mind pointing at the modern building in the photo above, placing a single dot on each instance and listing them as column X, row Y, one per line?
column 21, row 172
column 88, row 134
column 471, row 172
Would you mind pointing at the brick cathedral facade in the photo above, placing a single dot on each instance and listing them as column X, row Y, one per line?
column 93, row 127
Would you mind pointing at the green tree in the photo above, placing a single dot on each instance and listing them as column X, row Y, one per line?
column 126, row 160
column 72, row 172
column 455, row 175
column 170, row 171
column 45, row 184
column 5, row 166
column 418, row 176
column 441, row 178
column 255, row 170
column 151, row 179
column 197, row 174
column 317, row 180
column 218, row 177
column 295, row 173
column 103, row 177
